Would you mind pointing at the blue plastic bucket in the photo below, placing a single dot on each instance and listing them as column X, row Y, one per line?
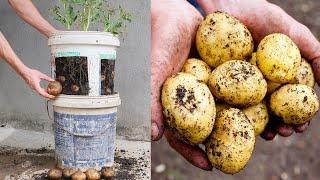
column 85, row 131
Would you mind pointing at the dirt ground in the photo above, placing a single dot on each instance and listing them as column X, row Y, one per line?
column 292, row 158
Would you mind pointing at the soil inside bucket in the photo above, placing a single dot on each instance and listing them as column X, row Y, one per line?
column 72, row 73
column 107, row 76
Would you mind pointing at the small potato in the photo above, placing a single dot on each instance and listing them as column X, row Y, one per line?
column 108, row 172
column 54, row 88
column 198, row 68
column 188, row 107
column 305, row 75
column 230, row 145
column 253, row 59
column 221, row 38
column 294, row 103
column 221, row 106
column 55, row 174
column 79, row 175
column 278, row 58
column 258, row 116
column 238, row 83
column 68, row 172
column 272, row 86
column 92, row 174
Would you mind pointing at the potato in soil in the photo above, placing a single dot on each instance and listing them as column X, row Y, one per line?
column 188, row 107
column 198, row 68
column 278, row 58
column 238, row 83
column 231, row 143
column 221, row 38
column 92, row 174
column 79, row 175
column 258, row 116
column 294, row 103
column 55, row 174
column 305, row 75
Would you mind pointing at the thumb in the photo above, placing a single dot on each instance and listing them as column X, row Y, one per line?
column 157, row 126
column 316, row 69
column 45, row 77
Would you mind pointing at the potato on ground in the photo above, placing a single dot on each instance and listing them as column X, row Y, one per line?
column 188, row 107
column 230, row 145
column 238, row 83
column 221, row 38
column 198, row 68
column 278, row 58
column 294, row 103
column 305, row 75
column 258, row 116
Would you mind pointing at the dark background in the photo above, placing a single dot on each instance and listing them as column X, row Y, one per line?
column 293, row 158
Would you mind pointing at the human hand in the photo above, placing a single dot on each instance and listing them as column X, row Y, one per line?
column 263, row 18
column 33, row 78
column 174, row 25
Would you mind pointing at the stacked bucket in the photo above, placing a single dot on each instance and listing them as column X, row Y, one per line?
column 85, row 113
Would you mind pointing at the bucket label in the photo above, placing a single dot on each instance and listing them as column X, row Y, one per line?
column 84, row 141
column 109, row 55
column 67, row 54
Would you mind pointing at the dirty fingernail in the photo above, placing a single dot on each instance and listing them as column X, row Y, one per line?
column 154, row 131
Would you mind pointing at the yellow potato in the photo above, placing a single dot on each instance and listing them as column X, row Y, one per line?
column 230, row 145
column 258, row 116
column 188, row 107
column 221, row 38
column 294, row 103
column 221, row 106
column 278, row 58
column 305, row 75
column 272, row 86
column 238, row 83
column 253, row 59
column 198, row 68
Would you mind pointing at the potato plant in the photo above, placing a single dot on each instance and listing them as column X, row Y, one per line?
column 82, row 14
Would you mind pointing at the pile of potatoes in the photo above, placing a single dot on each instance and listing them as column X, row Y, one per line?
column 225, row 100
column 107, row 173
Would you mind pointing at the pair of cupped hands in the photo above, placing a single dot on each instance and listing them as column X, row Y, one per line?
column 174, row 26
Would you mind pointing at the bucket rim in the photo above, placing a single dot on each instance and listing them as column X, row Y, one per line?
column 86, row 102
column 83, row 38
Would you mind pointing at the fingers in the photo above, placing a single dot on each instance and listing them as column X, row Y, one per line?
column 43, row 92
column 193, row 154
column 157, row 126
column 301, row 128
column 316, row 69
column 284, row 130
column 45, row 77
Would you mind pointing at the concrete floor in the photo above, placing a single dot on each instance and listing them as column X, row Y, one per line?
column 26, row 155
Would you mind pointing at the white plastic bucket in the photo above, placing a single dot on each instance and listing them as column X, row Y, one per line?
column 92, row 45
column 85, row 131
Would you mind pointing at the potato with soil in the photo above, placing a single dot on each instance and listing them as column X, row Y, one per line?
column 54, row 88
column 221, row 38
column 305, row 75
column 253, row 59
column 188, row 107
column 278, row 58
column 294, row 103
column 272, row 86
column 230, row 145
column 79, row 175
column 198, row 68
column 55, row 174
column 92, row 174
column 238, row 83
column 258, row 116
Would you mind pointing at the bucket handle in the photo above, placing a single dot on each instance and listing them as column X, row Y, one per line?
column 57, row 125
column 48, row 113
